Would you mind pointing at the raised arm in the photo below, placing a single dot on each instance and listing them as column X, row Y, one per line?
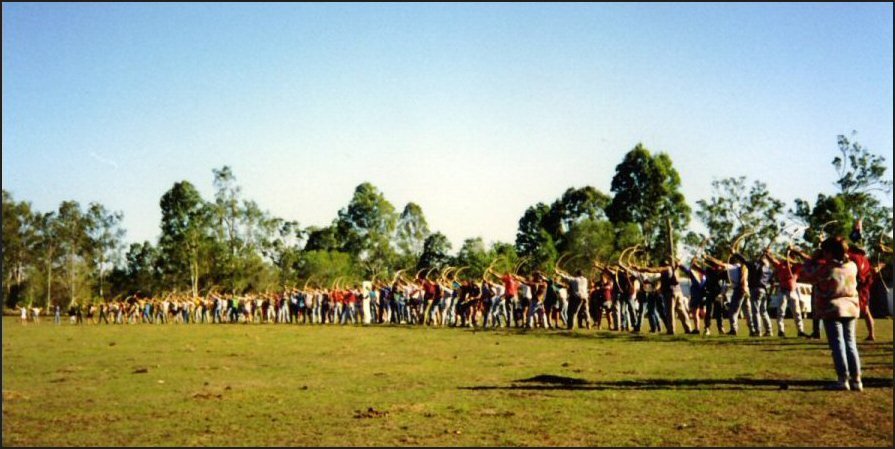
column 798, row 252
column 714, row 261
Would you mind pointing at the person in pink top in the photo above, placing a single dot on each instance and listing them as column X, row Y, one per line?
column 835, row 279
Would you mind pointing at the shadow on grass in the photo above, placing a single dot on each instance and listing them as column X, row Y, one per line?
column 767, row 344
column 792, row 343
column 547, row 382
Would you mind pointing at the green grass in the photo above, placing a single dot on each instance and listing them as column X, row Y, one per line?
column 299, row 385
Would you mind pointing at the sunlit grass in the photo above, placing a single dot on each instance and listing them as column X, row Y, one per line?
column 332, row 385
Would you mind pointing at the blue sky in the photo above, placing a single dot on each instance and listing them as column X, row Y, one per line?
column 474, row 111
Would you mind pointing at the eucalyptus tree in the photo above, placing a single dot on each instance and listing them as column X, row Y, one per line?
column 185, row 226
column 646, row 190
column 735, row 210
column 861, row 185
column 72, row 228
column 105, row 240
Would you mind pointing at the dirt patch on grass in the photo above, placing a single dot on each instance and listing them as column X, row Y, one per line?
column 205, row 395
column 370, row 413
column 10, row 395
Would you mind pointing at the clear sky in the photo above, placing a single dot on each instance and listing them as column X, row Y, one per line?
column 474, row 111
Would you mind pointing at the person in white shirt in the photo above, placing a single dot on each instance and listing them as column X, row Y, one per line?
column 578, row 294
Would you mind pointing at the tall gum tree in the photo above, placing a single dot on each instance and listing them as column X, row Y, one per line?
column 646, row 192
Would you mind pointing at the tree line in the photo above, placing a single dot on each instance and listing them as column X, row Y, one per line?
column 230, row 243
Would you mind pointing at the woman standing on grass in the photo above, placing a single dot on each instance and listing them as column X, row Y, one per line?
column 835, row 279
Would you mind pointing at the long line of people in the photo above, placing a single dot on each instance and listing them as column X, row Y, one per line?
column 841, row 278
column 622, row 295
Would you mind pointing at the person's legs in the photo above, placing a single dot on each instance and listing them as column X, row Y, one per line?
column 781, row 312
column 693, row 306
column 835, row 339
column 668, row 318
column 636, row 313
column 429, row 312
column 746, row 311
column 764, row 317
column 659, row 308
column 680, row 307
column 710, row 307
column 752, row 317
column 852, row 357
column 564, row 310
column 736, row 303
column 597, row 314
column 487, row 310
column 530, row 315
column 584, row 313
column 815, row 324
column 651, row 313
column 795, row 302
column 506, row 313
column 623, row 318
column 512, row 305
column 450, row 311
column 489, row 313
column 868, row 318
column 815, row 319
column 572, row 311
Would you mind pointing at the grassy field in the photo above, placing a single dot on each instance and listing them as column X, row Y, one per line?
column 298, row 385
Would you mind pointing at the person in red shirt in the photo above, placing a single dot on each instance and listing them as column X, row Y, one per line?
column 338, row 301
column 431, row 294
column 601, row 300
column 348, row 312
column 865, row 276
column 787, row 274
column 511, row 290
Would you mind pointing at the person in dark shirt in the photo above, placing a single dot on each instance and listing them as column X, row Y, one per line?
column 715, row 307
column 760, row 276
column 697, row 292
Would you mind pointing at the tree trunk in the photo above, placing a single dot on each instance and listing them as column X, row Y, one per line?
column 49, row 279
column 19, row 273
column 101, row 262
column 194, row 277
column 71, row 277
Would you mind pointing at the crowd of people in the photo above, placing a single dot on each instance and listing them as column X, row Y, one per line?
column 618, row 297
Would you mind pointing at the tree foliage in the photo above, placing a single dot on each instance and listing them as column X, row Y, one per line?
column 860, row 182
column 436, row 251
column 233, row 244
column 735, row 209
column 647, row 193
